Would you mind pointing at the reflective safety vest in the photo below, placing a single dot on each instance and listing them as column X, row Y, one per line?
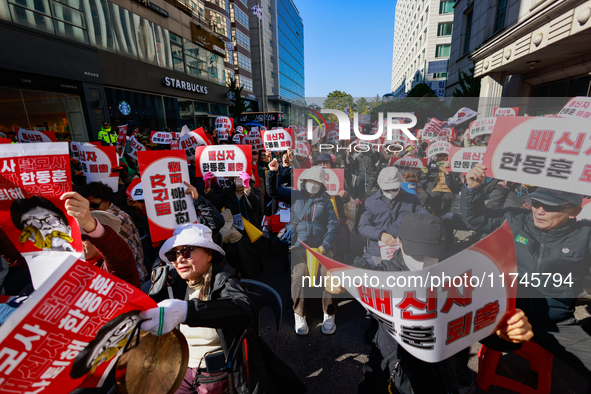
column 106, row 136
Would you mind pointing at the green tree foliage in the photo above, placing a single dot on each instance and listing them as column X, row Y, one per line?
column 421, row 90
column 361, row 106
column 239, row 104
column 337, row 100
column 469, row 85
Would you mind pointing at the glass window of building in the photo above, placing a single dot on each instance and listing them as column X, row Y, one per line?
column 99, row 24
column 124, row 32
column 446, row 7
column 240, row 16
column 442, row 50
column 201, row 108
column 194, row 63
column 468, row 33
column 444, row 29
column 500, row 14
column 220, row 23
column 244, row 62
column 147, row 112
column 176, row 49
column 246, row 83
column 440, row 75
column 144, row 36
column 241, row 39
column 187, row 114
column 44, row 111
column 219, row 110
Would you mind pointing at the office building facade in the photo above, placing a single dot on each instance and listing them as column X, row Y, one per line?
column 68, row 66
column 422, row 41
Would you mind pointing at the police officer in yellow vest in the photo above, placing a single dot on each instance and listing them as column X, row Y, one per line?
column 107, row 137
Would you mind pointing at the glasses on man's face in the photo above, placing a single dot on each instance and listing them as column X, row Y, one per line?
column 172, row 255
column 548, row 208
column 51, row 221
column 96, row 205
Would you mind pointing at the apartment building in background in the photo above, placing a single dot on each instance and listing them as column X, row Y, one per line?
column 422, row 41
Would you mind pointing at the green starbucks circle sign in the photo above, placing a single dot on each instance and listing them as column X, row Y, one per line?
column 124, row 107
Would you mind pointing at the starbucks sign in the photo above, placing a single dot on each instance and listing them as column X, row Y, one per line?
column 124, row 107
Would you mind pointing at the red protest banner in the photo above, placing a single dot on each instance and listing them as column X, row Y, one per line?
column 135, row 190
column 224, row 123
column 255, row 142
column 508, row 111
column 335, row 179
column 408, row 163
column 481, row 127
column 70, row 330
column 189, row 140
column 540, row 151
column 122, row 134
column 438, row 147
column 223, row 160
column 98, row 162
column 577, row 107
column 463, row 159
column 32, row 179
column 27, row 136
column 277, row 140
column 167, row 205
column 136, row 146
column 452, row 304
column 161, row 137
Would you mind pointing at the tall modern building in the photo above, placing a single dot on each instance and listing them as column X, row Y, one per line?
column 422, row 39
column 277, row 43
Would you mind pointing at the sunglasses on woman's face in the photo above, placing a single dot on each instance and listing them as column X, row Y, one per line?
column 172, row 255
column 548, row 208
column 95, row 205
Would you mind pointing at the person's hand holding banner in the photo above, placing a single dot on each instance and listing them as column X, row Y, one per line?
column 517, row 329
column 191, row 190
column 207, row 178
column 388, row 239
column 476, row 177
column 331, row 287
column 79, row 208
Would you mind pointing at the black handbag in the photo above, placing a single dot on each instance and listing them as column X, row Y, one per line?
column 160, row 289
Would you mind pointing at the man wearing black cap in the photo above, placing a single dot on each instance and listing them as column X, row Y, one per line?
column 549, row 244
column 422, row 240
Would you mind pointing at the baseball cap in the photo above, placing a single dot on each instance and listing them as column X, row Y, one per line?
column 410, row 187
column 422, row 234
column 390, row 178
column 556, row 197
column 323, row 157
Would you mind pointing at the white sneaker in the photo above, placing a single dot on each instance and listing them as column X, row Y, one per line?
column 301, row 326
column 329, row 326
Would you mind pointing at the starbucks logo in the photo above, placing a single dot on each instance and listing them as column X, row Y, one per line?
column 124, row 107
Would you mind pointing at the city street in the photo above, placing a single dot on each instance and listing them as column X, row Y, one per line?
column 333, row 364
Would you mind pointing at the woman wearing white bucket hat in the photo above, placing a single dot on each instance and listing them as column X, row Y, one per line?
column 213, row 310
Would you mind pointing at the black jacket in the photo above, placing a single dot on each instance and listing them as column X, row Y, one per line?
column 251, row 210
column 565, row 251
column 208, row 215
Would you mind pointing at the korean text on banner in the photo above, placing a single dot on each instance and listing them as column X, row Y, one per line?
column 408, row 163
column 25, row 136
column 161, row 137
column 277, row 140
column 135, row 190
column 122, row 134
column 167, row 205
column 134, row 147
column 334, row 179
column 439, row 147
column 224, row 123
column 223, row 160
column 302, row 149
column 32, row 179
column 577, row 107
column 545, row 152
column 434, row 321
column 482, row 126
column 70, row 330
column 189, row 140
column 97, row 164
column 255, row 142
column 508, row 111
column 463, row 159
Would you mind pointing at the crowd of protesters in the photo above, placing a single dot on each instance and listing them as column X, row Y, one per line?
column 418, row 209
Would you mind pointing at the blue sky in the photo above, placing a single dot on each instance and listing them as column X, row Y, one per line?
column 347, row 46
